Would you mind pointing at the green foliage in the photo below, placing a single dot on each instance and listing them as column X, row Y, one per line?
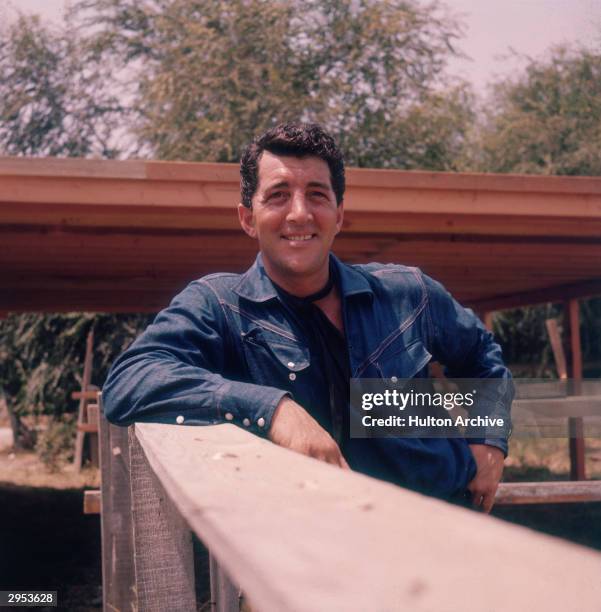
column 524, row 339
column 547, row 120
column 52, row 101
column 41, row 356
column 211, row 74
column 55, row 445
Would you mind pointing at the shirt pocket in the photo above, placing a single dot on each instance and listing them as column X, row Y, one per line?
column 402, row 360
column 274, row 360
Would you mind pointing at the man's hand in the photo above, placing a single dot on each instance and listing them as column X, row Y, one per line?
column 294, row 428
column 483, row 487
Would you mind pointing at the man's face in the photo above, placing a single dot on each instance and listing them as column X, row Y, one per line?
column 294, row 217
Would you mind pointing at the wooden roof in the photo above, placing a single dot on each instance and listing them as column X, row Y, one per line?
column 127, row 235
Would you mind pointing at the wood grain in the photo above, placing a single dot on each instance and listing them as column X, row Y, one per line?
column 163, row 554
column 126, row 236
column 300, row 535
column 548, row 492
column 118, row 572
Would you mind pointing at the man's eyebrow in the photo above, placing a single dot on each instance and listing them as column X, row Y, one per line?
column 318, row 184
column 277, row 185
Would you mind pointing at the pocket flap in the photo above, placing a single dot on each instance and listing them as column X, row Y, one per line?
column 403, row 361
column 292, row 356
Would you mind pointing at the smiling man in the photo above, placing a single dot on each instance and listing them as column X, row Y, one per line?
column 273, row 350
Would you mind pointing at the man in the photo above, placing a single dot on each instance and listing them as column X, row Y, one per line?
column 273, row 350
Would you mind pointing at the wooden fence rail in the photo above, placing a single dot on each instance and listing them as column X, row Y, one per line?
column 299, row 535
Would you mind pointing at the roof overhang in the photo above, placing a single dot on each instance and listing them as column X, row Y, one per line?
column 127, row 235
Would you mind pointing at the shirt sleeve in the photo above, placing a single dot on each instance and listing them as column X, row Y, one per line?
column 468, row 350
column 173, row 372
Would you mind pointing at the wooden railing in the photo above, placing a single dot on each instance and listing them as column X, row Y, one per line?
column 294, row 534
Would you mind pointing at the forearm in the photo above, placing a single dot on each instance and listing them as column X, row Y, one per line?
column 148, row 387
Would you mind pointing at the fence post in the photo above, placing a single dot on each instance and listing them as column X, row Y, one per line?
column 225, row 597
column 163, row 554
column 118, row 578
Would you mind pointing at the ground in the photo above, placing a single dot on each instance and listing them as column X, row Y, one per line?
column 46, row 540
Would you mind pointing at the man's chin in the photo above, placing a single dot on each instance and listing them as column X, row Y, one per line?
column 298, row 268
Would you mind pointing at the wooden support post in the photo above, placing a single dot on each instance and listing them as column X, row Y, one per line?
column 81, row 414
column 557, row 347
column 118, row 574
column 575, row 424
column 225, row 596
column 163, row 554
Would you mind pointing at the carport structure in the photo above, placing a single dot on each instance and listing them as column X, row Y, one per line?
column 125, row 236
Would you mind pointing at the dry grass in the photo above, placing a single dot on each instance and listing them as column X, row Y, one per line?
column 25, row 469
column 552, row 455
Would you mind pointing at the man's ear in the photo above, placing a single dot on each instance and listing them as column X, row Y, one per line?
column 247, row 220
column 339, row 216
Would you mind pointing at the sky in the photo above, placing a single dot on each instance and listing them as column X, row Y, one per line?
column 492, row 28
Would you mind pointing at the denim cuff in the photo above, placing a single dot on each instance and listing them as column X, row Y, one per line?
column 248, row 405
column 496, row 442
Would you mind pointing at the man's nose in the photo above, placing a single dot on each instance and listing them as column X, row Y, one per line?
column 298, row 211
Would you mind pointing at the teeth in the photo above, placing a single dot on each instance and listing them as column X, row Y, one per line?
column 304, row 237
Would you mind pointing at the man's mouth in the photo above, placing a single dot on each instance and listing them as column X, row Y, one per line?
column 299, row 237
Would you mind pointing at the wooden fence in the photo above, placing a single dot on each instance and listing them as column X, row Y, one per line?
column 294, row 534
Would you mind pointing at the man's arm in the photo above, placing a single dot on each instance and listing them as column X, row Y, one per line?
column 461, row 343
column 173, row 373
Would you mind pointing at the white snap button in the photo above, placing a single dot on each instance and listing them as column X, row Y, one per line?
column 292, row 376
column 261, row 422
column 179, row 420
column 229, row 416
column 291, row 364
column 394, row 379
column 246, row 422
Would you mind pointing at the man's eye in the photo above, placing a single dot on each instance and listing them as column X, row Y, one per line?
column 318, row 194
column 276, row 195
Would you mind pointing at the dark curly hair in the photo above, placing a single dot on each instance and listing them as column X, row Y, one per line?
column 296, row 140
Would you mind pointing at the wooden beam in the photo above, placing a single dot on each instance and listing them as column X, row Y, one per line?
column 356, row 177
column 575, row 424
column 299, row 551
column 554, row 407
column 91, row 502
column 472, row 232
column 82, row 418
column 88, row 395
column 548, row 492
column 585, row 289
column 557, row 348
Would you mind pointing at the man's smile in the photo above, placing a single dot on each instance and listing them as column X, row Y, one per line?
column 294, row 238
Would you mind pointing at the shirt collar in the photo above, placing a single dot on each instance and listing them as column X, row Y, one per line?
column 256, row 286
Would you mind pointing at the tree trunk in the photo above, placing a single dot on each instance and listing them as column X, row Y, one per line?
column 23, row 438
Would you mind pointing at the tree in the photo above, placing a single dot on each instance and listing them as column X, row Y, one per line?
column 41, row 360
column 52, row 102
column 548, row 119
column 213, row 73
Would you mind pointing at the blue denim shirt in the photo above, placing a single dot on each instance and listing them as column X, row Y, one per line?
column 227, row 349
